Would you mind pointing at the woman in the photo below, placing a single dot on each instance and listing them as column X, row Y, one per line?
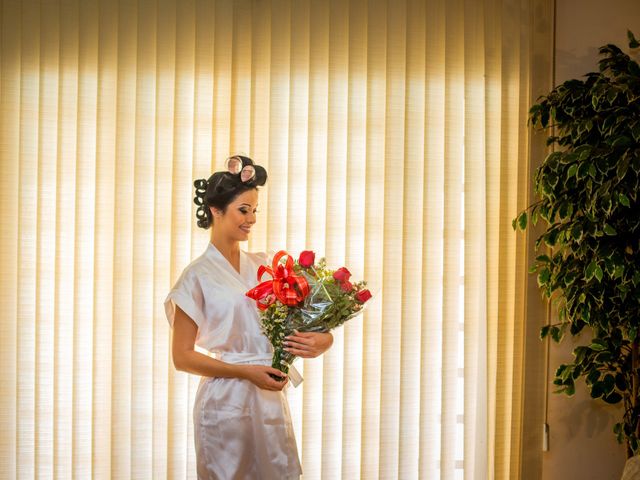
column 241, row 416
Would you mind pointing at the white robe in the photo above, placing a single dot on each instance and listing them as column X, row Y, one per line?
column 241, row 431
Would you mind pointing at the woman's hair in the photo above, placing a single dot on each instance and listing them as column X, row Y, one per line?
column 223, row 187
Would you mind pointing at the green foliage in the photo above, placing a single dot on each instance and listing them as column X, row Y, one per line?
column 588, row 190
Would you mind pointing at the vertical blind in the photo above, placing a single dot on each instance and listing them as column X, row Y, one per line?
column 394, row 133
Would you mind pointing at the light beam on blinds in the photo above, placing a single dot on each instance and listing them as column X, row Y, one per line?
column 395, row 139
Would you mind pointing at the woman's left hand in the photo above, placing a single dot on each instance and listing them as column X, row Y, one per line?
column 308, row 344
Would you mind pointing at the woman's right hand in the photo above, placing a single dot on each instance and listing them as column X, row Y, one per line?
column 260, row 376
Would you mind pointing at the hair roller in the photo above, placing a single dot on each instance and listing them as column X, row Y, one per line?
column 203, row 214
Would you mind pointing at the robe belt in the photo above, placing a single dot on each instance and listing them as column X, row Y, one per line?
column 256, row 359
column 244, row 358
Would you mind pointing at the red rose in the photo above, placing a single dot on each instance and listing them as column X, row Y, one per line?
column 346, row 286
column 342, row 275
column 307, row 258
column 363, row 295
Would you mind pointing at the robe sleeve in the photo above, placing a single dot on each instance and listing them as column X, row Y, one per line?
column 186, row 294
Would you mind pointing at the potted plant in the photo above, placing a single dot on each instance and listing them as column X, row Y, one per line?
column 588, row 190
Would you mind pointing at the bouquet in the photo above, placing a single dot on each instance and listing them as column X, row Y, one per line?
column 304, row 296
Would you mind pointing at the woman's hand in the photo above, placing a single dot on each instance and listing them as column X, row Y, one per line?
column 260, row 376
column 308, row 344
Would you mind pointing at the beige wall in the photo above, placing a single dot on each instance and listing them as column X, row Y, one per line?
column 581, row 444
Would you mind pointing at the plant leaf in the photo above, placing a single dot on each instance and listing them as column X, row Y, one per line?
column 544, row 331
column 597, row 389
column 613, row 397
column 543, row 259
column 598, row 273
column 593, row 376
column 591, row 268
column 544, row 276
column 522, row 220
column 623, row 166
column 623, row 199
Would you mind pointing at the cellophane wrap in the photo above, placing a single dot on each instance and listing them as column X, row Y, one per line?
column 329, row 303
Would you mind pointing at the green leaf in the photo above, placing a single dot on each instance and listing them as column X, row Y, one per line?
column 633, row 43
column 597, row 390
column 566, row 210
column 568, row 157
column 598, row 273
column 624, row 200
column 550, row 238
column 577, row 372
column 618, row 271
column 591, row 268
column 543, row 259
column 522, row 220
column 583, row 170
column 576, row 232
column 593, row 376
column 543, row 277
column 580, row 352
column 556, row 334
column 623, row 166
column 586, row 315
column 544, row 118
column 583, row 151
column 635, row 131
column 621, row 141
column 534, row 216
column 569, row 278
column 609, row 382
column 544, row 331
column 609, row 230
column 576, row 327
column 613, row 397
column 563, row 372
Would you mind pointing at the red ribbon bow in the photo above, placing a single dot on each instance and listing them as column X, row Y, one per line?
column 290, row 289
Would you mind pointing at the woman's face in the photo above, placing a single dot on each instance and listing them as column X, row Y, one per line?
column 236, row 222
